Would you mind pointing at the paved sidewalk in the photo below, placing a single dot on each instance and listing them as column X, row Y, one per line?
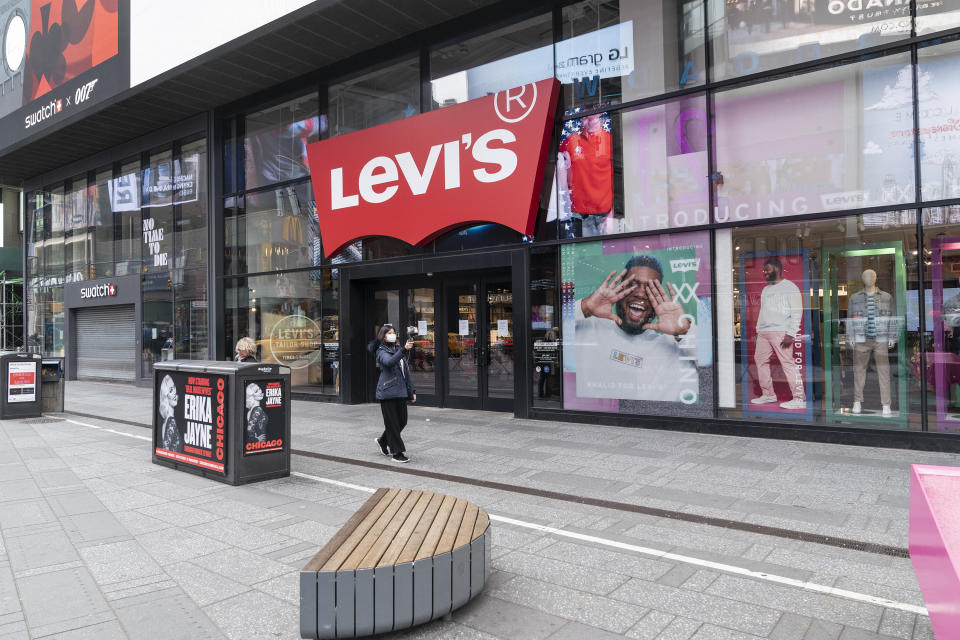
column 96, row 542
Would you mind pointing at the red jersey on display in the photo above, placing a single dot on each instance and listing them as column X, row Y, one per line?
column 591, row 171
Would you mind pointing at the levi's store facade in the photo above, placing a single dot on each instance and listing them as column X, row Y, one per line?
column 741, row 217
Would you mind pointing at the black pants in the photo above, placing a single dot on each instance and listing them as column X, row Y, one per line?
column 394, row 413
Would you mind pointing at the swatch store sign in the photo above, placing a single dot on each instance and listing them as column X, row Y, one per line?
column 59, row 58
column 480, row 161
column 93, row 292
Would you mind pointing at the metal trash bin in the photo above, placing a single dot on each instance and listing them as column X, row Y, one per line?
column 227, row 421
column 51, row 384
column 21, row 385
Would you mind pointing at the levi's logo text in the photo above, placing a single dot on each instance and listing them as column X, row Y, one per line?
column 414, row 179
column 98, row 291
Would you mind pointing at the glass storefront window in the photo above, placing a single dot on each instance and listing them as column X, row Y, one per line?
column 190, row 314
column 275, row 141
column 77, row 238
column 545, row 329
column 294, row 319
column 817, row 322
column 830, row 140
column 125, row 205
column 937, row 15
column 102, row 219
column 637, row 327
column 190, row 201
column 509, row 57
column 749, row 36
column 156, row 201
column 273, row 231
column 618, row 51
column 941, row 262
column 938, row 73
column 378, row 97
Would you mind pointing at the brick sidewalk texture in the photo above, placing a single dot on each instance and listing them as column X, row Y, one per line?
column 97, row 542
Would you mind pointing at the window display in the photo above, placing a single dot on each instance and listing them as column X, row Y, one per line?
column 942, row 261
column 636, row 325
column 868, row 329
column 815, row 323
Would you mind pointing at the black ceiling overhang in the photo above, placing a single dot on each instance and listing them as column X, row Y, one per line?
column 316, row 40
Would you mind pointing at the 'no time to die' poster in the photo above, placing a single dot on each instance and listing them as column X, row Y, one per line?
column 192, row 422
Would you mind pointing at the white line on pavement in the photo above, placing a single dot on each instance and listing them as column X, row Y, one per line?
column 648, row 551
column 119, row 433
column 657, row 553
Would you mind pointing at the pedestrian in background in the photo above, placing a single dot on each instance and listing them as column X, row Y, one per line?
column 246, row 350
column 394, row 389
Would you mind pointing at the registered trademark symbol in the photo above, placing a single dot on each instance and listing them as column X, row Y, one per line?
column 520, row 100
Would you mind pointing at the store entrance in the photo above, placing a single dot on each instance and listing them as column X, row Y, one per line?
column 463, row 355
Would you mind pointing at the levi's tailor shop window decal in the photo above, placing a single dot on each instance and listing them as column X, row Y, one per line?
column 192, row 420
column 263, row 422
column 60, row 56
column 637, row 325
column 480, row 161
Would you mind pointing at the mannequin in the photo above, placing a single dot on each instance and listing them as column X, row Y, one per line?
column 873, row 331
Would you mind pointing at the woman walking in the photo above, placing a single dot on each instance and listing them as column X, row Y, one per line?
column 394, row 388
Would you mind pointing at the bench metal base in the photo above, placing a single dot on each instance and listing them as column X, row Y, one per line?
column 349, row 604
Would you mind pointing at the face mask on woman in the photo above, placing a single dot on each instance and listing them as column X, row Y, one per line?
column 390, row 337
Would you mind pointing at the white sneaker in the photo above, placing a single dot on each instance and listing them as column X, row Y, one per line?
column 856, row 408
column 794, row 404
column 764, row 400
column 887, row 413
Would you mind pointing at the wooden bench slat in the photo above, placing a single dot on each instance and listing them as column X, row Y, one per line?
column 453, row 527
column 413, row 543
column 483, row 521
column 348, row 527
column 436, row 528
column 374, row 532
column 348, row 545
column 386, row 537
column 403, row 534
column 465, row 535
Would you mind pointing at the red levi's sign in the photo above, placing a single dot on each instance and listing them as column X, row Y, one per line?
column 415, row 179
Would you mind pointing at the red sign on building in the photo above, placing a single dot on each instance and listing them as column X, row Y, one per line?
column 415, row 179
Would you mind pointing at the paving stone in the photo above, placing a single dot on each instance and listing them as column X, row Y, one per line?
column 823, row 630
column 923, row 630
column 62, row 600
column 310, row 531
column 203, row 586
column 791, row 627
column 577, row 631
column 650, row 626
column 720, row 611
column 119, row 562
column 824, row 607
column 591, row 610
column 88, row 528
column 177, row 615
column 40, row 550
column 680, row 629
column 74, row 503
column 178, row 514
column 255, row 615
column 175, row 544
column 677, row 575
column 506, row 619
column 711, row 632
column 560, row 573
column 241, row 566
column 14, row 490
column 110, row 630
column 243, row 536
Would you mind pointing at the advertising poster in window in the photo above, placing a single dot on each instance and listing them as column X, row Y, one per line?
column 584, row 178
column 22, row 382
column 775, row 342
column 191, row 420
column 264, row 420
column 59, row 57
column 887, row 149
column 636, row 326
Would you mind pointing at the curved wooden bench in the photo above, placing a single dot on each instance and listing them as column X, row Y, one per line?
column 405, row 558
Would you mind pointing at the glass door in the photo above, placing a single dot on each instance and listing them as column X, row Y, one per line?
column 464, row 344
column 421, row 306
column 499, row 347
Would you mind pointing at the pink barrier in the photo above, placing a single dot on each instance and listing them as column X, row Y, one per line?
column 935, row 543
